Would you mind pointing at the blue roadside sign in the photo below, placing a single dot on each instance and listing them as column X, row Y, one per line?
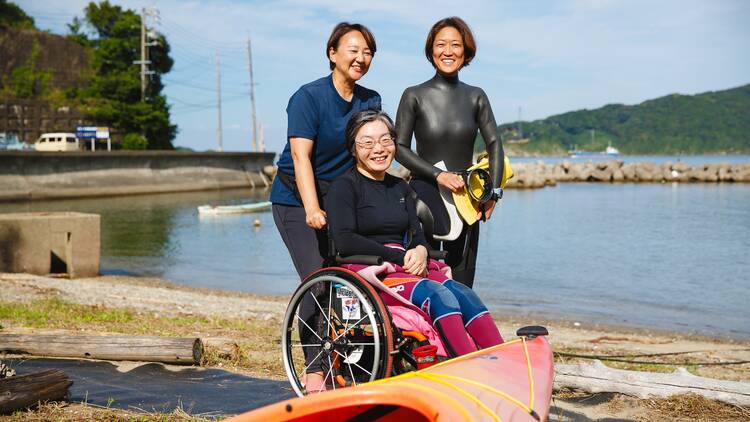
column 92, row 132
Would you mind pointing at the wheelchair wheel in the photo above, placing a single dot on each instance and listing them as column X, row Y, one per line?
column 336, row 324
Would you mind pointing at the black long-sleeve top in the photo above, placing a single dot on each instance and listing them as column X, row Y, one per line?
column 444, row 115
column 365, row 214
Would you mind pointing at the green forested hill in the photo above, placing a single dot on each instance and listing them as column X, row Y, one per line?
column 712, row 122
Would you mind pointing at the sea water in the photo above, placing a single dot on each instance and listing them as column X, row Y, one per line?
column 668, row 256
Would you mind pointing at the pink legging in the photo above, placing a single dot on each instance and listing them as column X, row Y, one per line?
column 457, row 313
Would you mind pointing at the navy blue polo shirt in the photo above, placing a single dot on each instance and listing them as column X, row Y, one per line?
column 317, row 112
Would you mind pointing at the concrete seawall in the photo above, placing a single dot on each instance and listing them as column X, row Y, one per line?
column 46, row 175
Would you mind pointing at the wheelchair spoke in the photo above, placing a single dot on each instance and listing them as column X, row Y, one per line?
column 312, row 361
column 361, row 344
column 348, row 365
column 321, row 308
column 308, row 327
column 327, row 316
column 330, row 303
column 330, row 372
column 347, row 327
column 351, row 373
column 360, row 367
column 354, row 363
column 305, row 345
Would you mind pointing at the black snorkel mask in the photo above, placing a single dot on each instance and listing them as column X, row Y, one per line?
column 478, row 184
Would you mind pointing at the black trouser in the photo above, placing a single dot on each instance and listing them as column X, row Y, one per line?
column 462, row 252
column 308, row 248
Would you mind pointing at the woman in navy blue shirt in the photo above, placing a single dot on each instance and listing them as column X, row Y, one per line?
column 315, row 152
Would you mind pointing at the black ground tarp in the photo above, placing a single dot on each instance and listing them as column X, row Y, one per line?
column 154, row 387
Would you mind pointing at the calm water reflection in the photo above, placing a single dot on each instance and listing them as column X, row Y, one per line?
column 667, row 256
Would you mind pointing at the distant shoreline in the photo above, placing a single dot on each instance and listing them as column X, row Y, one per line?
column 621, row 155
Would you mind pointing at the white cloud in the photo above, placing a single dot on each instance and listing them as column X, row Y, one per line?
column 548, row 57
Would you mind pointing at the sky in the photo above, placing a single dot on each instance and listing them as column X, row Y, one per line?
column 544, row 57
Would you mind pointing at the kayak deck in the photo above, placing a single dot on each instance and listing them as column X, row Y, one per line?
column 508, row 382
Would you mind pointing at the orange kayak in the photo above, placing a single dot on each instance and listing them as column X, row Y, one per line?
column 508, row 382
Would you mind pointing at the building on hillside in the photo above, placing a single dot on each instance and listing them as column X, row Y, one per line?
column 28, row 119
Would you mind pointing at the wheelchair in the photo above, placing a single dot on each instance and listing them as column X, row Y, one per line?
column 337, row 323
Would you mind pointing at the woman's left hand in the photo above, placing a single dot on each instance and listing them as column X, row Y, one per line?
column 489, row 206
column 415, row 261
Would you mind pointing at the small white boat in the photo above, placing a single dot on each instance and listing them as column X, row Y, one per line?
column 234, row 209
column 611, row 150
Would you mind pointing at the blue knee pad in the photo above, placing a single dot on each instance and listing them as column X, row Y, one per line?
column 435, row 299
column 470, row 304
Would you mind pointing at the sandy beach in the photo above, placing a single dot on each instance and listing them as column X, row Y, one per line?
column 241, row 335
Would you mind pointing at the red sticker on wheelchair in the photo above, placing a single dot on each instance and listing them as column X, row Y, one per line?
column 350, row 308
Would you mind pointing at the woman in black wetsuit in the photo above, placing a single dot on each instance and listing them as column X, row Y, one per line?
column 444, row 115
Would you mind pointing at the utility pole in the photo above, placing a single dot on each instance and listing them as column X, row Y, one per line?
column 262, row 138
column 218, row 92
column 145, row 44
column 252, row 95
column 143, row 54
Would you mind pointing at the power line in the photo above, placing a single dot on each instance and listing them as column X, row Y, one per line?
column 196, row 36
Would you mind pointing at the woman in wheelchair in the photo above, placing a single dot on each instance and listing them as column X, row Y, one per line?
column 372, row 213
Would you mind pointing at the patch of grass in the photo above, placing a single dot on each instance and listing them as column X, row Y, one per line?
column 59, row 314
column 83, row 412
column 256, row 344
column 696, row 408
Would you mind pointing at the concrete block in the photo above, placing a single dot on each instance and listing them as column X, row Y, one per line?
column 50, row 243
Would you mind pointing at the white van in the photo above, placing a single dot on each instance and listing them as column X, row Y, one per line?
column 57, row 142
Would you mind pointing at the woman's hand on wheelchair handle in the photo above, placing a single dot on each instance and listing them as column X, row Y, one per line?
column 450, row 180
column 415, row 261
column 316, row 218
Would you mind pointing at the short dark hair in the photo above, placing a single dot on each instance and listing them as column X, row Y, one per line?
column 362, row 118
column 344, row 28
column 470, row 46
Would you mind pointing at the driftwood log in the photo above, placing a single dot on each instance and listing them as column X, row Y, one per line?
column 187, row 351
column 599, row 378
column 22, row 391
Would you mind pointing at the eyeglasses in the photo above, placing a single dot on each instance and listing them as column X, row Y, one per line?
column 369, row 143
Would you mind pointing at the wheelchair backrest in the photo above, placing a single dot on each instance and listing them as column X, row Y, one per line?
column 425, row 216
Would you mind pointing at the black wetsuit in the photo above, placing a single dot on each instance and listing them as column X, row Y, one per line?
column 444, row 115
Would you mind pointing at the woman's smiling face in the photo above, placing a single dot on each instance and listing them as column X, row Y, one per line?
column 374, row 150
column 448, row 51
column 352, row 56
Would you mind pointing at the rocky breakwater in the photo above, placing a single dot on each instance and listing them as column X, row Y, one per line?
column 540, row 174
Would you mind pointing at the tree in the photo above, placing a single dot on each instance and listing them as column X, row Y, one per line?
column 13, row 16
column 114, row 95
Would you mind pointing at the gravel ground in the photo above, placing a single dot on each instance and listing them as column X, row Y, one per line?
column 161, row 297
column 146, row 294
